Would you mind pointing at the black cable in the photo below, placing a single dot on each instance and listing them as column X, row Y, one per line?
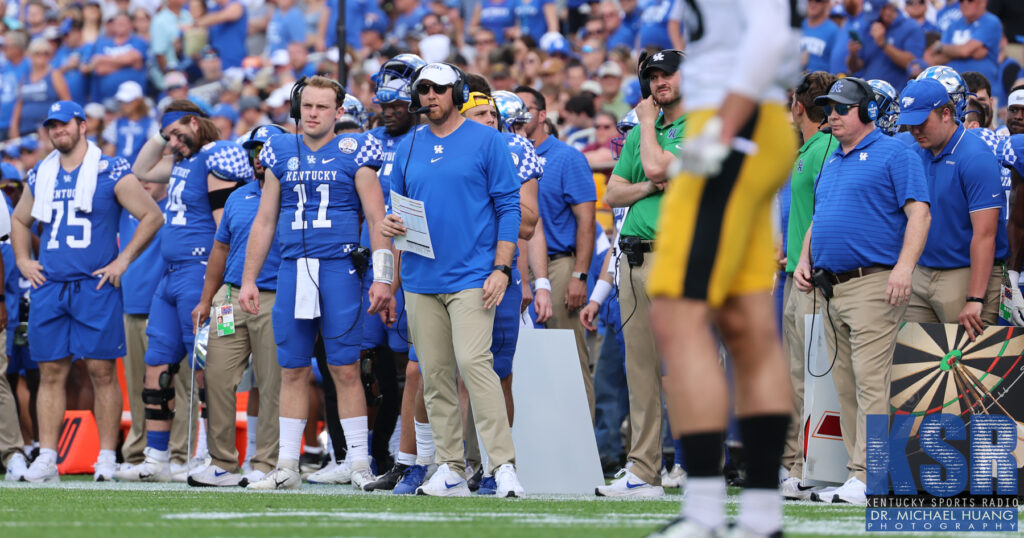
column 622, row 324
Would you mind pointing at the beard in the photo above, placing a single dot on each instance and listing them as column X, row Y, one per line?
column 66, row 144
column 190, row 143
column 672, row 99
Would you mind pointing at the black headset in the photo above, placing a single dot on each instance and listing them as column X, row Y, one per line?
column 296, row 96
column 867, row 109
column 460, row 91
column 645, row 60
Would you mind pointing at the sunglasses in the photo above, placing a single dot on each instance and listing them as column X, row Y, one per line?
column 840, row 109
column 425, row 88
column 254, row 152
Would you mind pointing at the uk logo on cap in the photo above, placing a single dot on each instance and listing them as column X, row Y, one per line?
column 55, row 107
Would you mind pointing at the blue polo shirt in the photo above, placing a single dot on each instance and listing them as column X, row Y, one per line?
column 986, row 29
column 239, row 213
column 858, row 217
column 567, row 181
column 904, row 34
column 861, row 25
column 963, row 178
column 817, row 42
column 139, row 282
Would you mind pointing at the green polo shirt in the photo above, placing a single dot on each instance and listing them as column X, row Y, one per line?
column 805, row 173
column 642, row 219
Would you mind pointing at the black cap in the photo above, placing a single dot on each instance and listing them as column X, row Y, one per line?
column 664, row 60
column 845, row 92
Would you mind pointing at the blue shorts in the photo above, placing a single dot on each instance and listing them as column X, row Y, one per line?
column 506, row 328
column 74, row 319
column 343, row 309
column 170, row 314
column 377, row 334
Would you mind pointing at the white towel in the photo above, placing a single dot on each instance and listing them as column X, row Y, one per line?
column 46, row 182
column 307, row 288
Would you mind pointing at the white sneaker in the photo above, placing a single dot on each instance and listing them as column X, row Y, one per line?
column 628, row 485
column 334, row 473
column 254, row 475
column 17, row 466
column 41, row 471
column 213, row 476
column 508, row 482
column 280, row 478
column 362, row 476
column 852, row 492
column 676, row 478
column 154, row 469
column 445, row 483
column 681, row 527
column 104, row 470
column 793, row 489
column 178, row 472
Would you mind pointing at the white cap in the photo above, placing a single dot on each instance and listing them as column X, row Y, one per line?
column 591, row 86
column 332, row 55
column 280, row 57
column 609, row 69
column 1015, row 99
column 280, row 96
column 128, row 91
column 175, row 79
column 435, row 48
column 438, row 73
column 95, row 110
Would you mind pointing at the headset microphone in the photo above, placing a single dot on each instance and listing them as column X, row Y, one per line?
column 421, row 110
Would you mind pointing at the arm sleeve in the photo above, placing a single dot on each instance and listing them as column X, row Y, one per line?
column 224, row 231
column 503, row 187
column 763, row 47
column 579, row 184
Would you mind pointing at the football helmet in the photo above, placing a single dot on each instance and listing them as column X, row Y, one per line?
column 954, row 83
column 888, row 106
column 395, row 78
column 511, row 109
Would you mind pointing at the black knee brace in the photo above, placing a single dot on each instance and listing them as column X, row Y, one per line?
column 161, row 397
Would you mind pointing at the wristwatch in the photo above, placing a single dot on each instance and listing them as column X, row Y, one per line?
column 580, row 275
column 504, row 269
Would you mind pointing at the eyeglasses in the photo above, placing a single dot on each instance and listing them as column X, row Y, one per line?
column 840, row 109
column 425, row 87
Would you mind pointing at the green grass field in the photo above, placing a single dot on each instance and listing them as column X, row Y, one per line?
column 158, row 510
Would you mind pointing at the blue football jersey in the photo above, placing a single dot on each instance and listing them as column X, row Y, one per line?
column 320, row 210
column 388, row 145
column 188, row 217
column 524, row 157
column 74, row 244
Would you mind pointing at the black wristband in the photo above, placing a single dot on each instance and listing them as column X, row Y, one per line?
column 504, row 269
column 976, row 300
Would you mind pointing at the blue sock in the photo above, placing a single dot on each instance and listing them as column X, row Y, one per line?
column 158, row 440
column 679, row 452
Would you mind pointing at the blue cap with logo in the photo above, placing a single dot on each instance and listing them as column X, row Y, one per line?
column 63, row 111
column 9, row 173
column 918, row 100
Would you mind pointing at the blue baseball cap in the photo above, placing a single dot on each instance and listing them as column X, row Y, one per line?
column 631, row 92
column 224, row 110
column 8, row 172
column 555, row 43
column 373, row 22
column 29, row 143
column 261, row 134
column 63, row 111
column 12, row 151
column 918, row 100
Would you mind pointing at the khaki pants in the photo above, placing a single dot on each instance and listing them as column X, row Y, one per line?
column 864, row 327
column 643, row 372
column 226, row 360
column 797, row 306
column 453, row 331
column 10, row 431
column 559, row 273
column 938, row 295
column 1015, row 51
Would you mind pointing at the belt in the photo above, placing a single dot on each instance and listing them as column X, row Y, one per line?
column 644, row 245
column 560, row 255
column 839, row 278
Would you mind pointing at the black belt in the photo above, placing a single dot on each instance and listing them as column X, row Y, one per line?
column 641, row 245
column 560, row 255
column 839, row 278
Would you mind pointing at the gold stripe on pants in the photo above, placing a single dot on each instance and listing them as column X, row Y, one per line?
column 643, row 372
column 226, row 360
column 559, row 273
column 10, row 431
column 452, row 332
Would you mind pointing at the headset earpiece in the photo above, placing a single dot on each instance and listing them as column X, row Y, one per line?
column 296, row 96
column 867, row 110
column 460, row 90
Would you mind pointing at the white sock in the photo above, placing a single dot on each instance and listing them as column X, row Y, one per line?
column 312, row 449
column 251, row 423
column 201, row 447
column 291, row 438
column 107, row 455
column 705, row 501
column 35, row 445
column 760, row 510
column 356, row 432
column 163, row 456
column 28, row 449
column 405, row 458
column 396, row 438
column 47, row 455
column 424, row 443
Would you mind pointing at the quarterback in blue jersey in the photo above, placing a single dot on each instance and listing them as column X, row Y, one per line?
column 200, row 174
column 316, row 188
column 77, row 195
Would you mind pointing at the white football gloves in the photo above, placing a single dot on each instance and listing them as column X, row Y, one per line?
column 1013, row 300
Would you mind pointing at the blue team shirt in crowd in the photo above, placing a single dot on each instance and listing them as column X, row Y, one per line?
column 106, row 85
column 817, row 42
column 229, row 37
column 36, row 98
column 284, row 28
column 320, row 208
column 138, row 284
column 78, row 82
column 567, row 181
column 986, row 29
column 235, row 224
column 405, row 24
column 131, row 135
column 468, row 173
column 496, row 16
column 654, row 16
column 948, row 15
column 963, row 178
column 860, row 26
column 858, row 218
column 530, row 14
column 74, row 244
column 188, row 218
column 904, row 34
column 10, row 77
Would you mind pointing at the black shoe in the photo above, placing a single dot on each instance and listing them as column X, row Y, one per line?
column 610, row 466
column 388, row 480
column 310, row 463
column 474, row 481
